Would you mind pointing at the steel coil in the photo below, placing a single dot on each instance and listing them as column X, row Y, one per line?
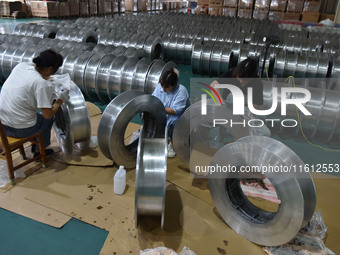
column 116, row 117
column 72, row 125
column 151, row 170
column 192, row 119
column 296, row 191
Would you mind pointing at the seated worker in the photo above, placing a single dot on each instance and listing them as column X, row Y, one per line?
column 244, row 76
column 175, row 99
column 24, row 92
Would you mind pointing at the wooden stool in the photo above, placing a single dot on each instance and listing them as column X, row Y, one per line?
column 10, row 144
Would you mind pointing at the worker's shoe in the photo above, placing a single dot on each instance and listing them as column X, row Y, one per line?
column 171, row 152
column 48, row 152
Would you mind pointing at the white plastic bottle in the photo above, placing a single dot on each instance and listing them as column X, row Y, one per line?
column 119, row 181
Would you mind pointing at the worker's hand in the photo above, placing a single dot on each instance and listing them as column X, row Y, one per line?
column 64, row 94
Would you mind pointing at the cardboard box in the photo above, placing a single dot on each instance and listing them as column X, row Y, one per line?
column 275, row 15
column 45, row 9
column 229, row 11
column 202, row 2
column 262, row 4
column 230, row 3
column 215, row 11
column 83, row 8
column 107, row 7
column 294, row 5
column 216, row 2
column 93, row 7
column 202, row 9
column 141, row 5
column 311, row 6
column 310, row 17
column 245, row 13
column 324, row 16
column 74, row 7
column 101, row 6
column 114, row 6
column 245, row 4
column 291, row 16
column 278, row 5
column 7, row 8
column 64, row 9
column 260, row 13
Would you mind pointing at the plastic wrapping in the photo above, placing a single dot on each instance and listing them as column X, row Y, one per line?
column 295, row 5
column 247, row 4
column 262, row 4
column 166, row 251
column 316, row 227
column 307, row 242
column 278, row 5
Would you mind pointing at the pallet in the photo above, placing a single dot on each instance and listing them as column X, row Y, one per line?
column 15, row 15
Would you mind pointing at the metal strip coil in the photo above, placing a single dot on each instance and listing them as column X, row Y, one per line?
column 116, row 117
column 103, row 77
column 295, row 191
column 151, row 170
column 72, row 123
column 193, row 119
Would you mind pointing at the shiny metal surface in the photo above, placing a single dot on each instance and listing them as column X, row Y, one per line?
column 129, row 69
column 72, row 125
column 153, row 76
column 196, row 57
column 153, row 47
column 103, row 77
column 296, row 191
column 90, row 75
column 116, row 73
column 205, row 57
column 151, row 168
column 194, row 127
column 139, row 77
column 79, row 69
column 324, row 105
column 116, row 117
column 215, row 59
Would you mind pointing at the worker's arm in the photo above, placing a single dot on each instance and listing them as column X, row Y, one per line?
column 170, row 111
column 48, row 113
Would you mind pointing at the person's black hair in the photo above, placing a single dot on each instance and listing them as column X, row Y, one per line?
column 246, row 69
column 169, row 78
column 48, row 58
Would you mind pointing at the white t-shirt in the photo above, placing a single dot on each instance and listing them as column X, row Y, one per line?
column 22, row 94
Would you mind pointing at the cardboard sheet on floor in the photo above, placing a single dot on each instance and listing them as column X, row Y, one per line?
column 188, row 222
column 85, row 193
column 14, row 201
column 27, row 169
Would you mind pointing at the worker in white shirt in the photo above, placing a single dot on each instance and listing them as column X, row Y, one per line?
column 26, row 91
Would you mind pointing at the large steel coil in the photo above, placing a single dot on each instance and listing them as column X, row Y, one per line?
column 72, row 125
column 121, row 71
column 151, row 170
column 295, row 191
column 194, row 127
column 323, row 123
column 116, row 117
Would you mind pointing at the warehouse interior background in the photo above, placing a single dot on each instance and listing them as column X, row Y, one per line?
column 24, row 235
